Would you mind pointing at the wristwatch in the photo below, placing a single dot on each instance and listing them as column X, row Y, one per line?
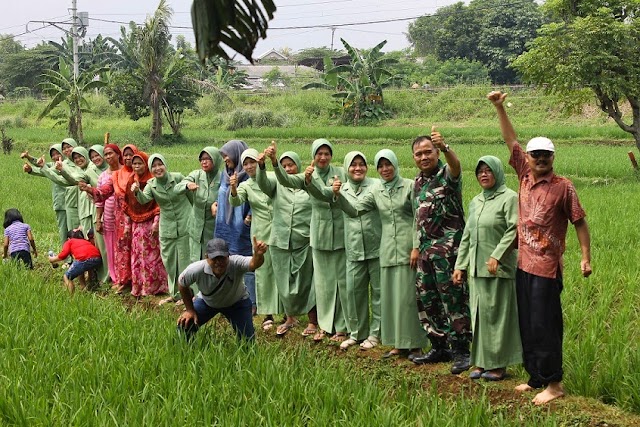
column 446, row 148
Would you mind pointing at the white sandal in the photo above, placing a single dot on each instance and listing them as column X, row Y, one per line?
column 347, row 343
column 369, row 343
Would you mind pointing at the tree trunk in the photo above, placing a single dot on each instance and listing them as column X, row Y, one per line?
column 79, row 126
column 156, row 114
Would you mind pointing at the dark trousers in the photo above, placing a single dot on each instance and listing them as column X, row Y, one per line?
column 238, row 314
column 24, row 257
column 541, row 328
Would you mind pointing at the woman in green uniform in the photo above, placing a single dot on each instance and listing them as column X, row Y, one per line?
column 399, row 324
column 327, row 239
column 487, row 257
column 57, row 191
column 268, row 301
column 289, row 244
column 71, row 192
column 362, row 244
column 174, row 219
column 203, row 185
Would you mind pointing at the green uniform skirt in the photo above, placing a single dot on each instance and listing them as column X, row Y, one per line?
column 293, row 273
column 494, row 322
column 268, row 299
column 330, row 282
column 176, row 257
column 399, row 323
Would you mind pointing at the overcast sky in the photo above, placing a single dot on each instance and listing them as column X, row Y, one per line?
column 291, row 13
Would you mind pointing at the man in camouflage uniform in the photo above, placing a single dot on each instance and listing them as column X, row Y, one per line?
column 443, row 307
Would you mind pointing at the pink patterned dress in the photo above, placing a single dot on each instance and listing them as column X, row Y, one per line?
column 148, row 275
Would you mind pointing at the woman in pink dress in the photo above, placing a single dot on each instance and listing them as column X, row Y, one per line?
column 105, row 210
column 148, row 275
column 117, row 187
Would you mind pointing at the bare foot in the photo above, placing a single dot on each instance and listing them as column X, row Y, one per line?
column 552, row 392
column 524, row 387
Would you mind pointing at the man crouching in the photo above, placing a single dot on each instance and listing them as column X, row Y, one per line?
column 220, row 280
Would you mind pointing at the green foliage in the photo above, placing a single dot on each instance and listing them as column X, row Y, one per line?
column 125, row 90
column 317, row 52
column 23, row 68
column 359, row 84
column 63, row 88
column 595, row 47
column 241, row 119
column 493, row 32
column 275, row 77
column 236, row 23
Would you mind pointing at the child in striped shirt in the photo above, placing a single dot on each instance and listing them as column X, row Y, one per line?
column 18, row 238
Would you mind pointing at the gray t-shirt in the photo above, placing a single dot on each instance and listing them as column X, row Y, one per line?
column 222, row 292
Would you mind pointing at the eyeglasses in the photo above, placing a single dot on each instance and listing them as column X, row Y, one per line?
column 484, row 171
column 205, row 159
column 541, row 153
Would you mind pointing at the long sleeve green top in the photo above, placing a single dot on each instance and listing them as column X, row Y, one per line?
column 396, row 216
column 57, row 191
column 327, row 220
column 202, row 224
column 291, row 213
column 490, row 231
column 175, row 208
column 261, row 207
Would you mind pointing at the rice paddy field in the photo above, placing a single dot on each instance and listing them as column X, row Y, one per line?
column 101, row 359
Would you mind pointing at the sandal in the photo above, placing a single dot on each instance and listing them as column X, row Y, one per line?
column 369, row 343
column 309, row 331
column 347, row 343
column 319, row 336
column 338, row 337
column 267, row 324
column 283, row 329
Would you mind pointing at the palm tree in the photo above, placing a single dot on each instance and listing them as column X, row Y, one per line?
column 152, row 52
column 62, row 88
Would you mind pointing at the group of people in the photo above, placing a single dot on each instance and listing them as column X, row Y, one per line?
column 369, row 261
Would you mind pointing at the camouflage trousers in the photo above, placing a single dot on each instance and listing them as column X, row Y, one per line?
column 443, row 308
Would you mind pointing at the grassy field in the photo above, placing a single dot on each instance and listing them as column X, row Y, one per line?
column 98, row 359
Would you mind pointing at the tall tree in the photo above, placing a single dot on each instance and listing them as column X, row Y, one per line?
column 63, row 88
column 24, row 68
column 152, row 53
column 493, row 32
column 592, row 45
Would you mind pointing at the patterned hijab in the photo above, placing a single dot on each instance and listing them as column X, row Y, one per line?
column 121, row 176
column 136, row 211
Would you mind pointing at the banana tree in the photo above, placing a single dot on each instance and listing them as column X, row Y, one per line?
column 62, row 88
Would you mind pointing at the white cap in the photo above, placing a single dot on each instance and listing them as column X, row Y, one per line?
column 540, row 143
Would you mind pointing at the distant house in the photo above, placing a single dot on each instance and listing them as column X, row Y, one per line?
column 255, row 72
column 272, row 57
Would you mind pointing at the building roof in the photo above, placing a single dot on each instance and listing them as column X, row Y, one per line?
column 272, row 52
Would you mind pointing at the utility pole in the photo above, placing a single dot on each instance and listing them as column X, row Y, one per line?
column 333, row 30
column 74, row 34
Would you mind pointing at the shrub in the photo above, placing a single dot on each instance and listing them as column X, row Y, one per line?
column 255, row 119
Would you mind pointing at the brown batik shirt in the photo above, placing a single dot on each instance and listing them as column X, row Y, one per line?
column 545, row 208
